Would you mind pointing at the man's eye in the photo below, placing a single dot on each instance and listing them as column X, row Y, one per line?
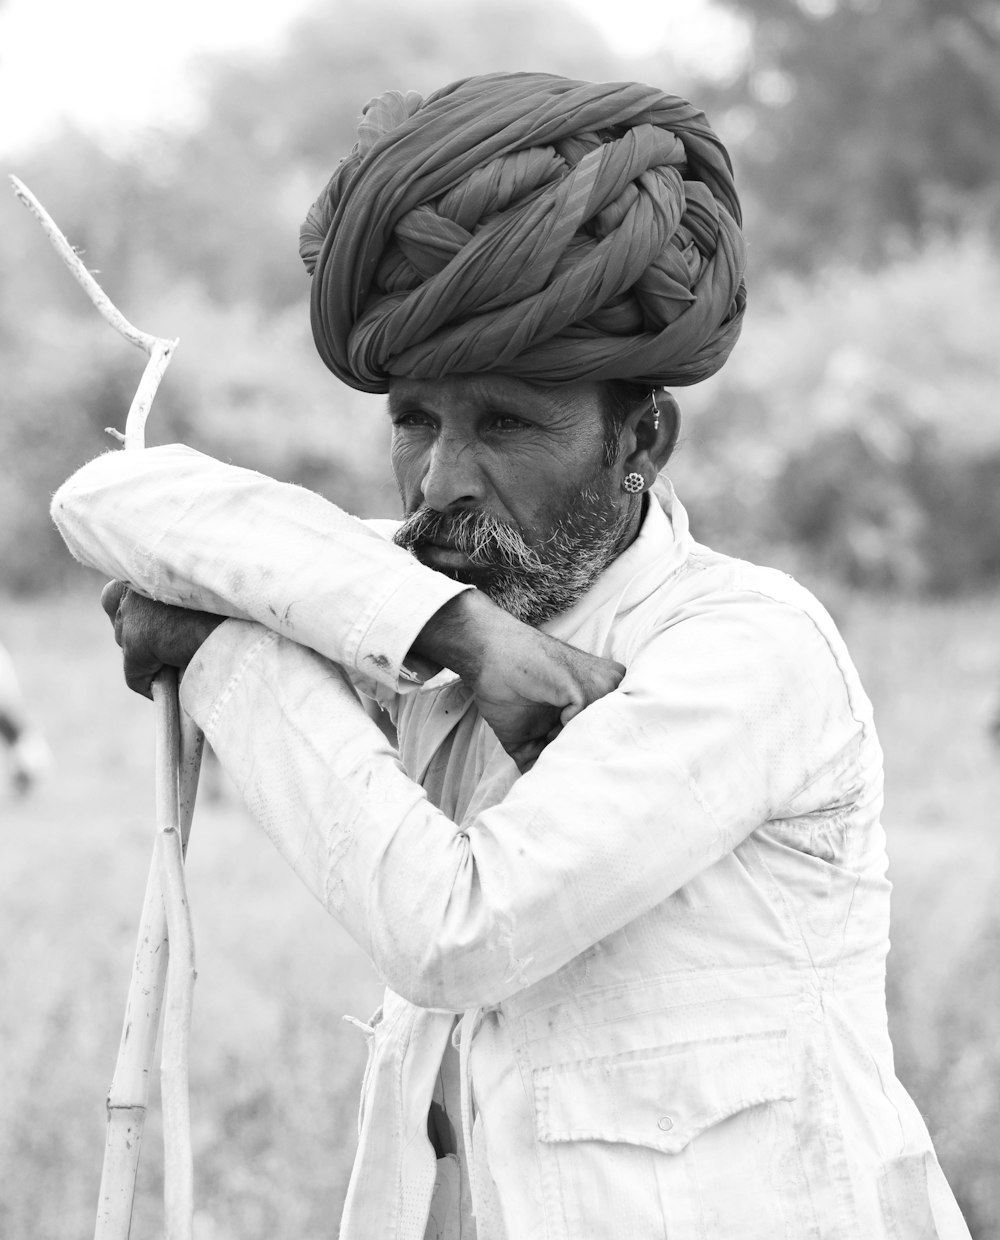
column 411, row 420
column 507, row 422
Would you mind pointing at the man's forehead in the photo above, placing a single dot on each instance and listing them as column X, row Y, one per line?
column 490, row 391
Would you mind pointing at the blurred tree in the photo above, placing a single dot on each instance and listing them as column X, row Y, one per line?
column 221, row 201
column 275, row 126
column 862, row 126
column 95, row 197
column 302, row 106
column 853, row 436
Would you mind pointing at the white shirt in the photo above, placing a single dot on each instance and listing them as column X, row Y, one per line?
column 666, row 941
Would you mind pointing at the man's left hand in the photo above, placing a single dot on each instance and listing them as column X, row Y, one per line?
column 527, row 685
column 153, row 635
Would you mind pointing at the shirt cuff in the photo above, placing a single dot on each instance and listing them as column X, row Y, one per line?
column 186, row 529
column 382, row 645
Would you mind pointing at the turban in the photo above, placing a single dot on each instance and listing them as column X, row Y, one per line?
column 528, row 225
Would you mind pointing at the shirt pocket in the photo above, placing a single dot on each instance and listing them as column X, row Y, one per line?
column 692, row 1140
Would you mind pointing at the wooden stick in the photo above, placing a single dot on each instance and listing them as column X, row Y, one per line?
column 129, row 1093
column 166, row 915
column 177, row 1160
column 106, row 307
column 158, row 349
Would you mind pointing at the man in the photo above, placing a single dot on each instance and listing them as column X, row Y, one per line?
column 625, row 880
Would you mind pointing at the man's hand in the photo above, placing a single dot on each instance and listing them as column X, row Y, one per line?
column 527, row 685
column 153, row 635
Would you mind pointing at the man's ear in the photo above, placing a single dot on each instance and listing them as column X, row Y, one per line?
column 654, row 428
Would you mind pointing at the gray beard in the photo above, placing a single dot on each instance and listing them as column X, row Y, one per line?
column 533, row 584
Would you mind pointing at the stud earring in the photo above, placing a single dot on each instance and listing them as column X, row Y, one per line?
column 633, row 482
column 656, row 411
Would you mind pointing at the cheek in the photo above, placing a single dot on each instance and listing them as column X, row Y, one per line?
column 407, row 461
column 520, row 489
column 535, row 505
column 541, row 492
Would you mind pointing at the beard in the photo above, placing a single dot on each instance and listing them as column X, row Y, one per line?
column 533, row 582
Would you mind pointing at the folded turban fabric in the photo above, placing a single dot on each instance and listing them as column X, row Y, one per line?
column 528, row 225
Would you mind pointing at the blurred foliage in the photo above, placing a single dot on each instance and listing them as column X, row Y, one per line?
column 852, row 436
column 864, row 126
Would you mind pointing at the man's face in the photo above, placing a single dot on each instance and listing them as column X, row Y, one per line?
column 505, row 486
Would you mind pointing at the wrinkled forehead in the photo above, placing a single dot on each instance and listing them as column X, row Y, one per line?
column 469, row 393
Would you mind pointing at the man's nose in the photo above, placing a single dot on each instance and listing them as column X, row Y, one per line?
column 453, row 477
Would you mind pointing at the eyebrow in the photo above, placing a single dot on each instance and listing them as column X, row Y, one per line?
column 515, row 403
column 398, row 403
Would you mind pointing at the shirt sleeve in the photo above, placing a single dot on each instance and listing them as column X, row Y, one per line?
column 720, row 724
column 186, row 529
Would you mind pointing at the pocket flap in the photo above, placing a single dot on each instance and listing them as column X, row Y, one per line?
column 664, row 1097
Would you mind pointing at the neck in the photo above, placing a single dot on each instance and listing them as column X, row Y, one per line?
column 633, row 522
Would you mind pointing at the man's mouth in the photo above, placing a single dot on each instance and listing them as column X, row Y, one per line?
column 440, row 554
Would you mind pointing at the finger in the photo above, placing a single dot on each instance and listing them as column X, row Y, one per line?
column 111, row 597
column 140, row 674
column 125, row 616
column 525, row 756
column 132, row 622
column 586, row 693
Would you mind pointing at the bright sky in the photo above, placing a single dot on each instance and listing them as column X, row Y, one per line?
column 113, row 65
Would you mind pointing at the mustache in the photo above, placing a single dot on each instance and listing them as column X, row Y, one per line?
column 487, row 541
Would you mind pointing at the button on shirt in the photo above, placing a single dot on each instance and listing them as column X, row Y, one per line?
column 658, row 956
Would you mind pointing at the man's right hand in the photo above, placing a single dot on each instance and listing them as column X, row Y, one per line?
column 527, row 685
column 153, row 635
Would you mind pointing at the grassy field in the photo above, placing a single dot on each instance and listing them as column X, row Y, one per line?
column 275, row 1070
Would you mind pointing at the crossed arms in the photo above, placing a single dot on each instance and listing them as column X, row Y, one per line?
column 650, row 784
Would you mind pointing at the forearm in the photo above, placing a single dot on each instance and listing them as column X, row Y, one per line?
column 185, row 529
column 405, row 881
column 452, row 915
column 463, row 633
column 320, row 778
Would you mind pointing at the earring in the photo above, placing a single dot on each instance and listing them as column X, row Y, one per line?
column 656, row 411
column 633, row 483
